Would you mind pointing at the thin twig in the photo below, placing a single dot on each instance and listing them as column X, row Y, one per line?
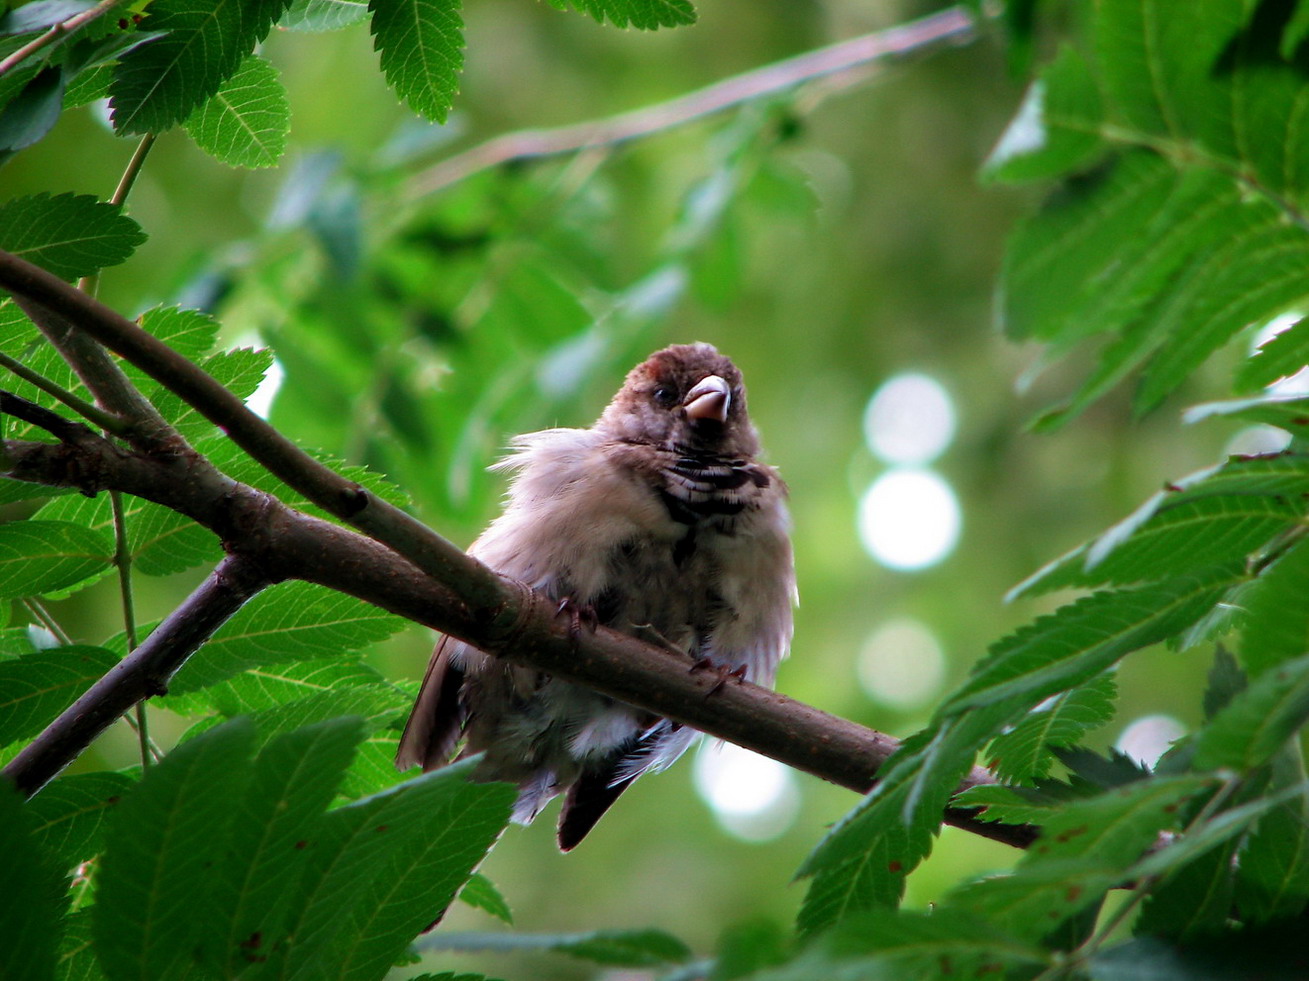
column 83, row 408
column 142, row 673
column 91, row 284
column 952, row 25
column 37, row 609
column 56, row 32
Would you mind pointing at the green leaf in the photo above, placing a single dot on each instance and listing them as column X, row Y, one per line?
column 38, row 557
column 165, row 839
column 323, row 15
column 619, row 948
column 1084, row 849
column 34, row 111
column 1057, row 126
column 1273, row 953
column 1277, row 628
column 239, row 370
column 1022, row 754
column 245, row 123
column 1078, row 641
column 1273, row 874
column 1009, row 805
column 421, row 43
column 161, row 83
column 1256, row 724
column 291, row 621
column 35, row 688
column 265, row 688
column 382, row 869
column 76, row 955
column 480, row 892
column 71, row 813
column 1280, row 356
column 292, row 782
column 31, row 902
column 1285, row 412
column 191, row 333
column 644, row 14
column 70, row 235
column 161, row 541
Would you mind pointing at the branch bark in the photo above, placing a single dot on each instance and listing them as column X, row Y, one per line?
column 954, row 25
column 404, row 568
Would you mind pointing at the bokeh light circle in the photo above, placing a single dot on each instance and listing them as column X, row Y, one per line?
column 909, row 420
column 909, row 519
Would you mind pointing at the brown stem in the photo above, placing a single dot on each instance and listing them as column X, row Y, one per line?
column 285, row 543
column 142, row 673
column 953, row 25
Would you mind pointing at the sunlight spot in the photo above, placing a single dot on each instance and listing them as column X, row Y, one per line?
column 260, row 401
column 909, row 519
column 909, row 420
column 753, row 797
column 1149, row 737
column 901, row 664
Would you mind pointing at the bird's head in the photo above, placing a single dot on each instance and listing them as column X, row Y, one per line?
column 687, row 398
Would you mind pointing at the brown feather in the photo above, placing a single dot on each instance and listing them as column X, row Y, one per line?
column 437, row 718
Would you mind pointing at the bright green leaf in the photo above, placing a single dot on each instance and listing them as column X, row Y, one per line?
column 421, row 42
column 323, row 15
column 35, row 688
column 70, row 235
column 245, row 123
column 161, row 83
column 71, row 814
column 644, row 14
column 480, row 892
column 39, row 557
column 1258, row 722
column 1022, row 754
column 1277, row 628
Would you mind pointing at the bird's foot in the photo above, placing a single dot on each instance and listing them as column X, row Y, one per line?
column 578, row 614
column 723, row 672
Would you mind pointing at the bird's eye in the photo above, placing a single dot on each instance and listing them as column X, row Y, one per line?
column 665, row 396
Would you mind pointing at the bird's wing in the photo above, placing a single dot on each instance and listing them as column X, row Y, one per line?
column 437, row 718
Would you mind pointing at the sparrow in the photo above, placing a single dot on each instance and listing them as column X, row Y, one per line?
column 659, row 521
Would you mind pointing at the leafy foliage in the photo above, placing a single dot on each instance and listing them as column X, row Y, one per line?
column 273, row 838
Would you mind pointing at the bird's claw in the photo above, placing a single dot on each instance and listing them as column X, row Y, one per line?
column 578, row 614
column 722, row 670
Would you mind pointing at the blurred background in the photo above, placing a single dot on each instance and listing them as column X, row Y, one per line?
column 836, row 242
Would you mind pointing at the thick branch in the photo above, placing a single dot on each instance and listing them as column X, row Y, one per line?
column 284, row 543
column 142, row 673
column 326, row 488
column 953, row 25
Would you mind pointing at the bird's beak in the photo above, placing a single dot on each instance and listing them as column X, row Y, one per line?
column 709, row 399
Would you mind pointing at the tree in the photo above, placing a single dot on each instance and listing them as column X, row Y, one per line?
column 273, row 839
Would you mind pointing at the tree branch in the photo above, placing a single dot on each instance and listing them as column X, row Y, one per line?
column 953, row 25
column 284, row 543
column 142, row 673
column 56, row 32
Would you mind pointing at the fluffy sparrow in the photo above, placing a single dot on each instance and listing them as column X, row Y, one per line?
column 661, row 520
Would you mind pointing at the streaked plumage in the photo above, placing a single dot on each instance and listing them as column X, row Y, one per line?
column 659, row 518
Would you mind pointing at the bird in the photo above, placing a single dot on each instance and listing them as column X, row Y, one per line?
column 660, row 521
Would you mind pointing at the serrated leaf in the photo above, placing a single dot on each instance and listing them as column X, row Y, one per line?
column 76, row 955
column 239, row 370
column 1009, row 805
column 289, row 622
column 1273, row 872
column 264, row 688
column 480, row 892
column 1278, row 357
column 620, row 948
column 70, row 814
column 381, row 869
column 161, row 540
column 246, row 122
column 1258, row 722
column 38, row 557
column 1285, row 412
column 70, row 235
column 31, row 903
column 421, row 43
column 35, row 688
column 165, row 838
column 292, row 781
column 1084, row 849
column 1080, row 640
column 191, row 333
column 1056, row 129
column 323, row 15
column 1277, row 628
column 644, row 14
column 1023, row 753
column 159, row 84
